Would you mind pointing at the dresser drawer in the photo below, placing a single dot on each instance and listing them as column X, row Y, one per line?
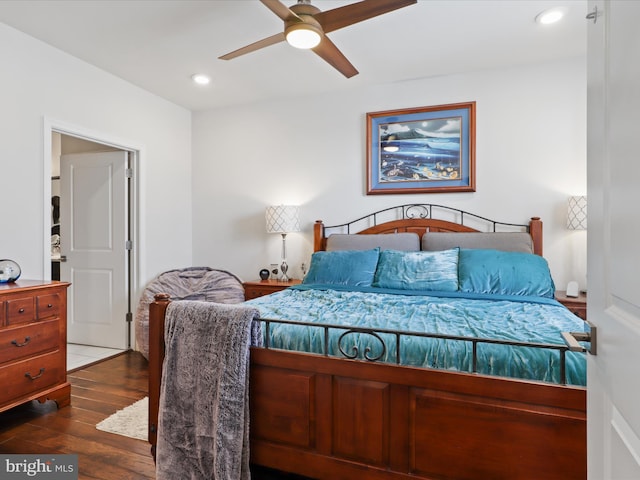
column 266, row 287
column 20, row 310
column 32, row 375
column 29, row 340
column 255, row 292
column 580, row 311
column 48, row 305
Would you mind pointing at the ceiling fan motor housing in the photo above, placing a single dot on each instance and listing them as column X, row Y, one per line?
column 305, row 13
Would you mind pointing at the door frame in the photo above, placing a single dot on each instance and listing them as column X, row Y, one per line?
column 51, row 126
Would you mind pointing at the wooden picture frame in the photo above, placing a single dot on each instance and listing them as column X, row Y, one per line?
column 422, row 150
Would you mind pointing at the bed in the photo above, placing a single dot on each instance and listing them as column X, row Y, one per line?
column 359, row 407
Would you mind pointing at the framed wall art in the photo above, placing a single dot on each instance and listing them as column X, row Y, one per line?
column 422, row 150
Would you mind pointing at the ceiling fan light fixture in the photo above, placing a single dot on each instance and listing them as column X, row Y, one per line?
column 303, row 35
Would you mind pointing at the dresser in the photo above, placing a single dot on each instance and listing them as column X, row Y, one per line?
column 33, row 343
column 265, row 287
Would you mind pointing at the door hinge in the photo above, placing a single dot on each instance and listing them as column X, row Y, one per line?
column 129, row 317
column 128, row 245
column 128, row 172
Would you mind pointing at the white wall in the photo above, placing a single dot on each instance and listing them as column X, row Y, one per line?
column 530, row 154
column 39, row 82
column 531, row 138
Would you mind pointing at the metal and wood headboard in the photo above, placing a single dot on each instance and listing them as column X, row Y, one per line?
column 422, row 218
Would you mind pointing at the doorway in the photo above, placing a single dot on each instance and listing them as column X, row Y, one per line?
column 100, row 296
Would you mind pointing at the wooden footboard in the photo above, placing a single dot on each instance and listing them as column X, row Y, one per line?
column 334, row 418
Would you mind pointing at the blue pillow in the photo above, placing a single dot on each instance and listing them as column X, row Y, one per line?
column 343, row 267
column 418, row 270
column 504, row 273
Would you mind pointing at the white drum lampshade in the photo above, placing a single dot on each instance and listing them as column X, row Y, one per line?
column 283, row 219
column 577, row 213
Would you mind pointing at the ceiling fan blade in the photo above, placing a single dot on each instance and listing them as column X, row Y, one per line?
column 327, row 50
column 265, row 42
column 341, row 17
column 280, row 9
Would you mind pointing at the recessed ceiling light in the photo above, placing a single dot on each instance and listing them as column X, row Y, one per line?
column 551, row 15
column 200, row 79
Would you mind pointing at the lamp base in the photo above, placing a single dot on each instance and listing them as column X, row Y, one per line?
column 283, row 269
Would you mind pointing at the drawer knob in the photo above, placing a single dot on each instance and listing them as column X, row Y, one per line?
column 21, row 310
column 49, row 305
column 34, row 377
column 26, row 340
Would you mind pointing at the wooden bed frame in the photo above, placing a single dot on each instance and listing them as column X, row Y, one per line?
column 334, row 418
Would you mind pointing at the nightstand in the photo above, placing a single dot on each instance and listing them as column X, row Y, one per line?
column 265, row 287
column 577, row 305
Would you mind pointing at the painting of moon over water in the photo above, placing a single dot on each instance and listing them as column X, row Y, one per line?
column 431, row 149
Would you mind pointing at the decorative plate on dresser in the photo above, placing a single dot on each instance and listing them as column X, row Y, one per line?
column 33, row 343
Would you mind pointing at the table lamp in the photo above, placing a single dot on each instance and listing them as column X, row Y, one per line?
column 283, row 219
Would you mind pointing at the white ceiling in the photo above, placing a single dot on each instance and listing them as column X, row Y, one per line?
column 159, row 44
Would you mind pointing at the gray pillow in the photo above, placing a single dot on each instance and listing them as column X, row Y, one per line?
column 503, row 241
column 405, row 241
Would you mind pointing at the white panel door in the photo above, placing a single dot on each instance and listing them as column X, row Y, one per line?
column 613, row 240
column 93, row 234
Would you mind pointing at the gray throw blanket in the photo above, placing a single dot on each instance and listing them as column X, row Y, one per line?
column 203, row 424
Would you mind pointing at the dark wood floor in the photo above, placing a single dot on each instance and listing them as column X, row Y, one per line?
column 97, row 391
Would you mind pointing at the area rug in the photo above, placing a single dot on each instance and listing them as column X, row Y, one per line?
column 131, row 421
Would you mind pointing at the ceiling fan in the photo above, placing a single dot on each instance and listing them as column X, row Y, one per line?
column 306, row 26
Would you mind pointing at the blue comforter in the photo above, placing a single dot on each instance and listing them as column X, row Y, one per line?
column 516, row 318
